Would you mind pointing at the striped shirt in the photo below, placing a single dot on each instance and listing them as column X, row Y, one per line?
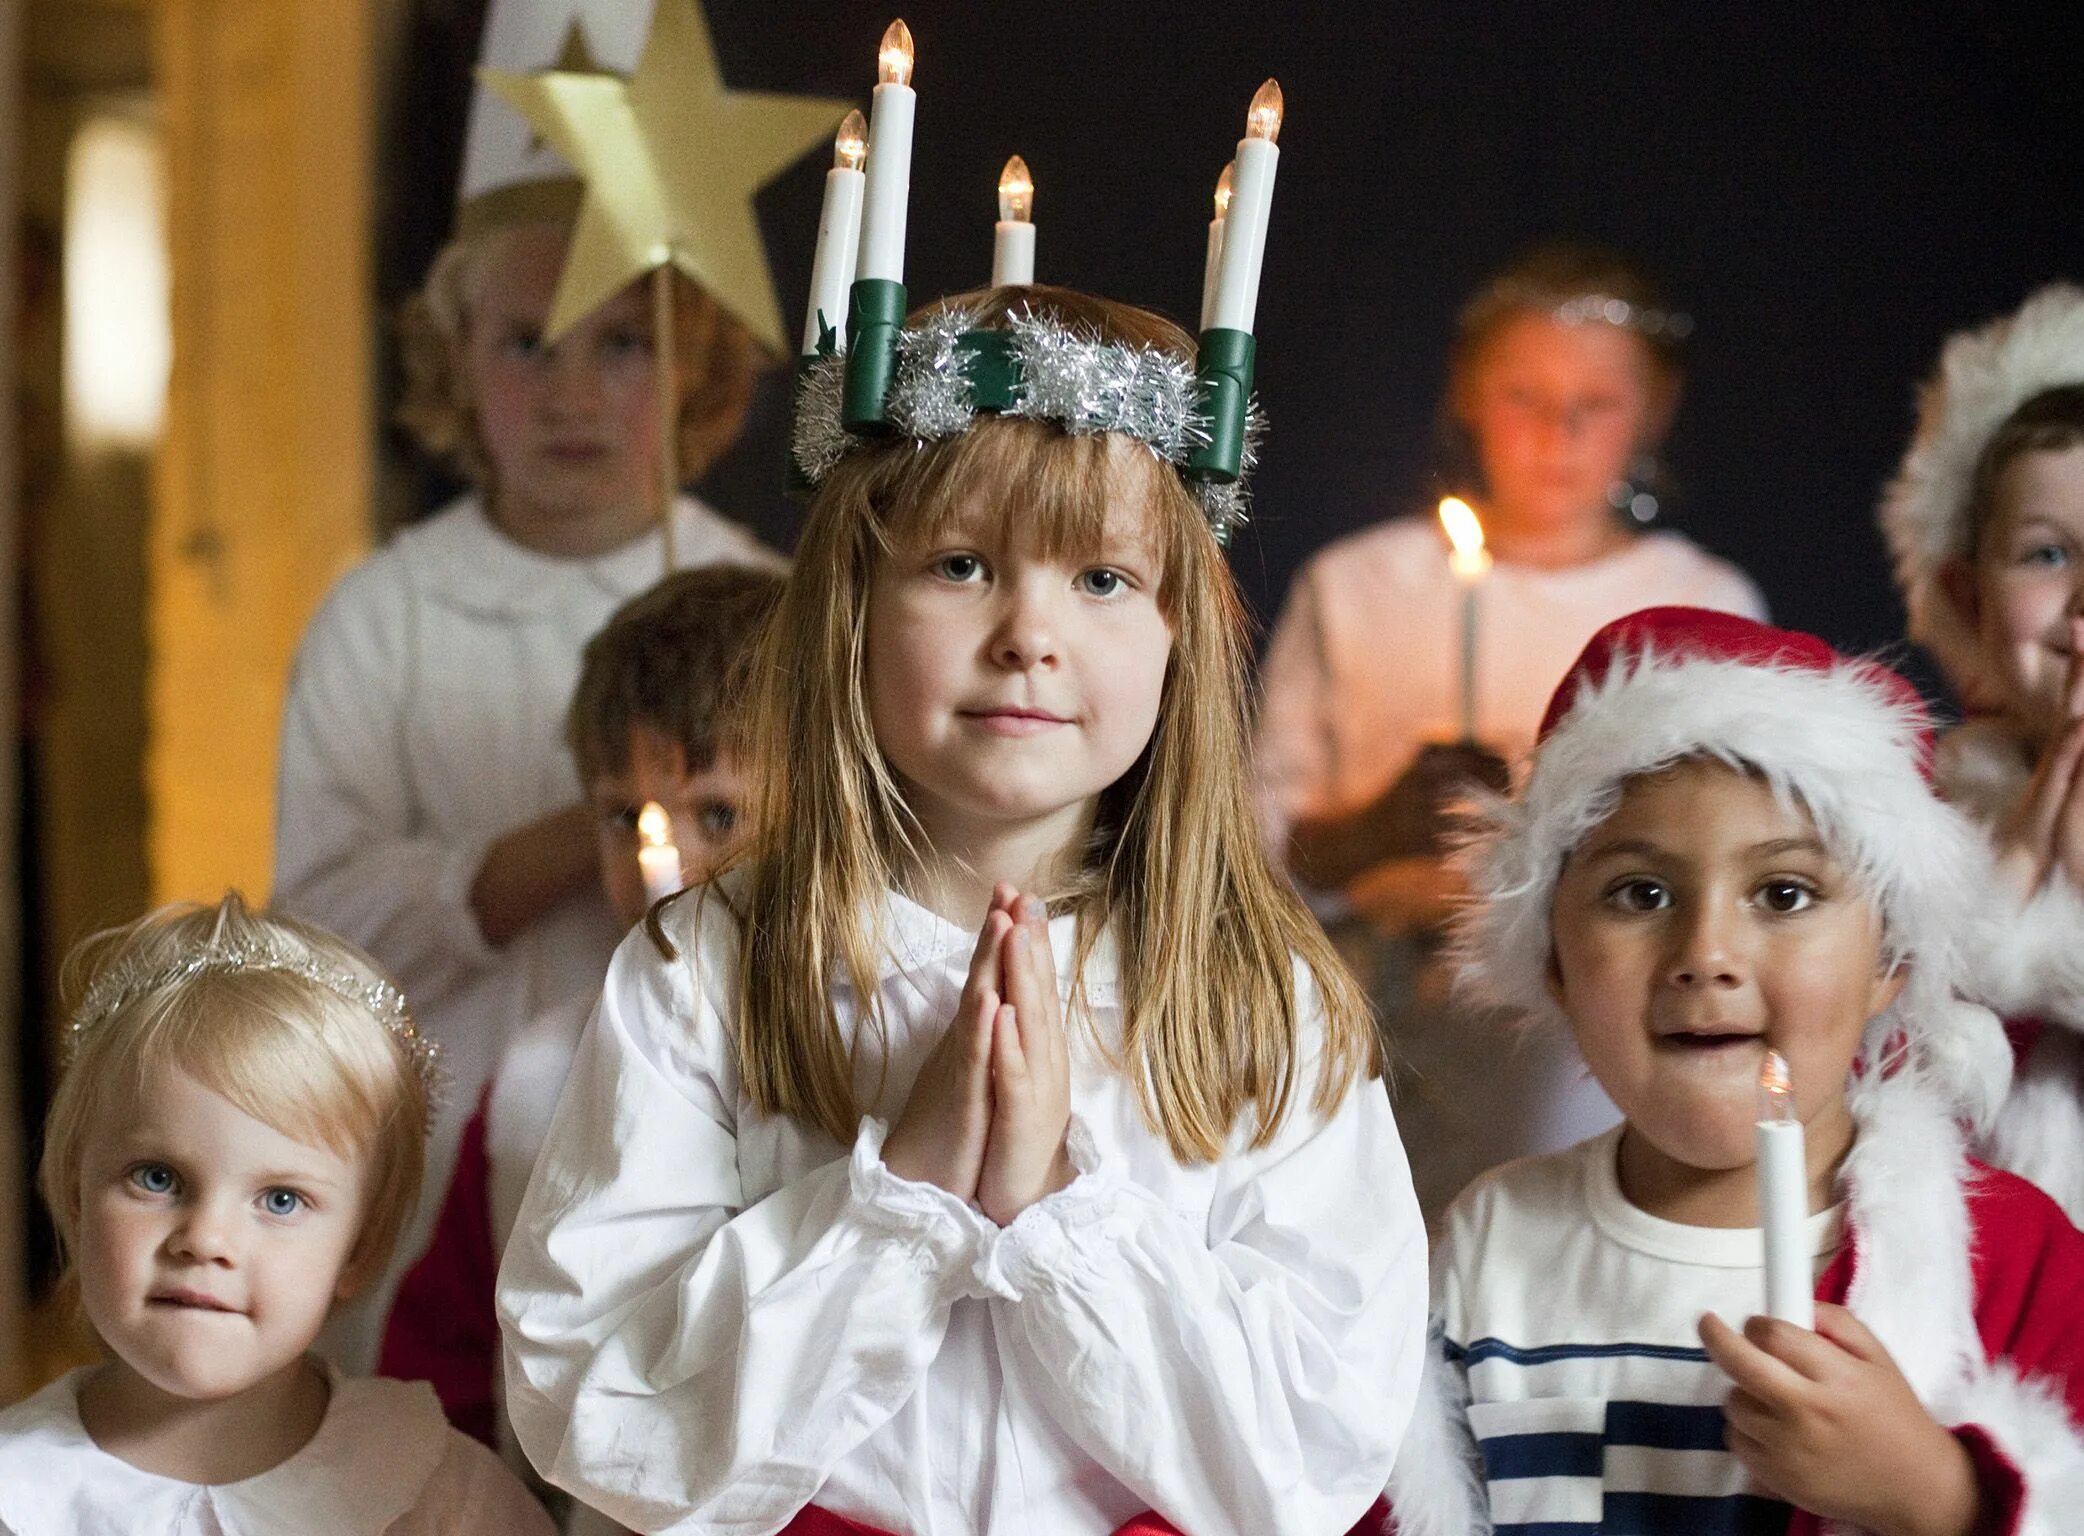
column 1573, row 1314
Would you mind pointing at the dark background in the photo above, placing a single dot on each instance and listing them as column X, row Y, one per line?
column 1827, row 189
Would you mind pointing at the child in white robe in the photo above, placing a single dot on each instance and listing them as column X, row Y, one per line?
column 998, row 1148
column 235, row 1143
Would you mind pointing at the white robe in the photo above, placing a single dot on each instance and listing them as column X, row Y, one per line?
column 713, row 1318
column 425, row 720
column 383, row 1463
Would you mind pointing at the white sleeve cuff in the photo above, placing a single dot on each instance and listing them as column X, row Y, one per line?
column 454, row 878
column 1056, row 1235
column 951, row 1235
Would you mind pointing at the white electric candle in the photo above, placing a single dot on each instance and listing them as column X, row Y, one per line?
column 1783, row 1198
column 657, row 857
column 889, row 184
column 1013, row 237
column 1215, row 245
column 1469, row 561
column 1251, row 203
column 839, row 234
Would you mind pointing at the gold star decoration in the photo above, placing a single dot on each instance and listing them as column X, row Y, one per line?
column 670, row 160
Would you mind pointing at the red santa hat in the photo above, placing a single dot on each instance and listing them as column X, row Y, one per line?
column 1847, row 739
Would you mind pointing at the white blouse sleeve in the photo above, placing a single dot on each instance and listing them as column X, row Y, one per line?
column 1251, row 1376
column 1296, row 751
column 351, row 848
column 677, row 1351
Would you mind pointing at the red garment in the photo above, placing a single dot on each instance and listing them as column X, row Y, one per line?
column 2029, row 1293
column 817, row 1522
column 444, row 1327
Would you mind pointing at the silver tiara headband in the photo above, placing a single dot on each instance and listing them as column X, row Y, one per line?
column 1605, row 309
column 122, row 985
column 949, row 371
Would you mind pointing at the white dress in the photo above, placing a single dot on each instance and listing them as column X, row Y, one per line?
column 425, row 720
column 1362, row 672
column 713, row 1318
column 383, row 1463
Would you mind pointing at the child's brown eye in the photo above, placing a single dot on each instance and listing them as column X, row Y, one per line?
column 1640, row 896
column 1785, row 895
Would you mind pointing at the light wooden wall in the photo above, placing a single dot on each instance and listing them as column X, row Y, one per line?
column 13, row 1196
column 264, row 483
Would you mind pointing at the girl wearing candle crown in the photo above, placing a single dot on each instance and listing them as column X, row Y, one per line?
column 1712, row 895
column 980, row 1154
column 1986, row 519
column 426, row 806
column 235, row 1144
column 1563, row 376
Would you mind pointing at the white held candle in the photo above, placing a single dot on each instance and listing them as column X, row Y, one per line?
column 1013, row 237
column 889, row 184
column 1469, row 561
column 657, row 857
column 1783, row 1199
column 1214, row 260
column 839, row 234
column 1251, row 204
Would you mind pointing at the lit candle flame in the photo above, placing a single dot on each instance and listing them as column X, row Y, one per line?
column 850, row 144
column 894, row 59
column 1016, row 192
column 654, row 826
column 1468, row 558
column 1263, row 117
column 1776, row 1090
column 1223, row 183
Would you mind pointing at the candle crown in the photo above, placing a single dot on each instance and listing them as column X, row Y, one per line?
column 1776, row 1091
column 1224, row 185
column 1016, row 192
column 894, row 56
column 850, row 144
column 1263, row 117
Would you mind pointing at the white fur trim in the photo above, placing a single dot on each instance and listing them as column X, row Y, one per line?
column 2030, row 1422
column 1834, row 742
column 1983, row 376
column 2040, row 1135
column 1436, row 1487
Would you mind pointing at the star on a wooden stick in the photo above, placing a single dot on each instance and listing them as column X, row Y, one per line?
column 671, row 160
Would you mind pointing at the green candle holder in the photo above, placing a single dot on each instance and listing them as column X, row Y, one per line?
column 875, row 316
column 1223, row 363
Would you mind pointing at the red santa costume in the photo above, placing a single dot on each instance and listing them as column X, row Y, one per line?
column 2032, row 966
column 1970, row 1277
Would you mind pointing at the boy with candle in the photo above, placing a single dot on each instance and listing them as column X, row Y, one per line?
column 1694, row 876
column 652, row 721
column 1986, row 519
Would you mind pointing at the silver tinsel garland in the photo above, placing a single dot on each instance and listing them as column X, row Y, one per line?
column 1084, row 385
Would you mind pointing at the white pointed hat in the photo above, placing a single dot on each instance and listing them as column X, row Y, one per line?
column 510, row 176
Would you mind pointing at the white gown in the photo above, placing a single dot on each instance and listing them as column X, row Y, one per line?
column 713, row 1318
column 383, row 1463
column 425, row 720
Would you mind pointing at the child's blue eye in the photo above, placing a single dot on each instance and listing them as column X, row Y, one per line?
column 718, row 819
column 1640, row 895
column 958, row 567
column 2045, row 554
column 1101, row 582
column 154, row 1178
column 281, row 1202
column 1785, row 896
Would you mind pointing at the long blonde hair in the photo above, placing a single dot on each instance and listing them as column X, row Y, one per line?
column 1207, row 933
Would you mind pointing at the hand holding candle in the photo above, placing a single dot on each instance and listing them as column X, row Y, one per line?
column 1783, row 1197
column 657, row 856
column 839, row 236
column 1013, row 238
column 1470, row 561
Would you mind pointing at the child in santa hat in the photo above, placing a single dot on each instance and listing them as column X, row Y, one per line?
column 1726, row 845
column 1986, row 518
